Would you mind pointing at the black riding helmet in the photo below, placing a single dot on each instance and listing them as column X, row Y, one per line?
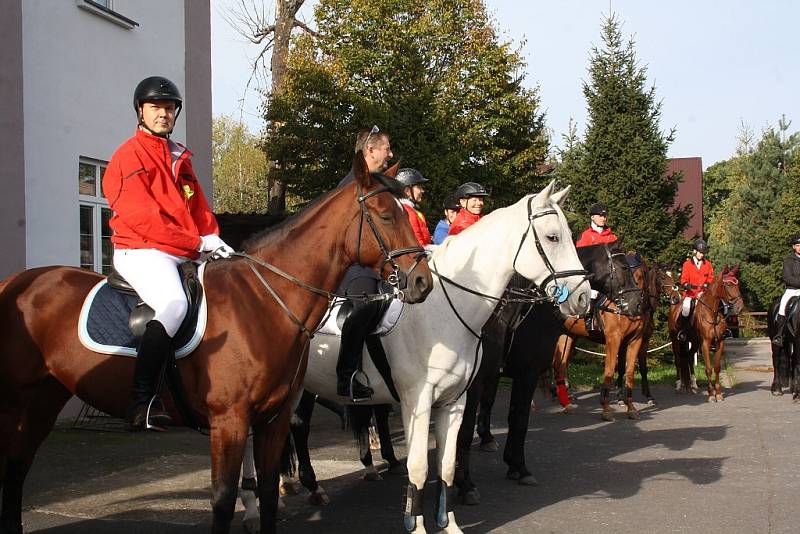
column 451, row 202
column 598, row 208
column 471, row 189
column 409, row 177
column 701, row 246
column 795, row 239
column 156, row 88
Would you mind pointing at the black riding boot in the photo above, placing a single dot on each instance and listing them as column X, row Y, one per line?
column 679, row 324
column 358, row 324
column 153, row 350
column 780, row 323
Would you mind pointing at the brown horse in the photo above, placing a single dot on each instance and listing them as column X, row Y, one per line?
column 657, row 283
column 622, row 323
column 706, row 329
column 250, row 363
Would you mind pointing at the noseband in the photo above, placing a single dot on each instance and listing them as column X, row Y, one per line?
column 559, row 293
column 397, row 279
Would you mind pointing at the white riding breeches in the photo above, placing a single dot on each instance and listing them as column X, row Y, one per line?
column 154, row 275
column 687, row 306
column 788, row 294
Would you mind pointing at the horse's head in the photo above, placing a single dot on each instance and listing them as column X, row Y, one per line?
column 381, row 237
column 546, row 254
column 729, row 292
column 664, row 282
column 613, row 276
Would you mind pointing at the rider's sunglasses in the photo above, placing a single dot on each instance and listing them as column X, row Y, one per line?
column 375, row 130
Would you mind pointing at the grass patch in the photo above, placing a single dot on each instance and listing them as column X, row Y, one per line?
column 587, row 374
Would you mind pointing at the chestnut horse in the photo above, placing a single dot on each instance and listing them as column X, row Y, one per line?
column 706, row 329
column 657, row 283
column 250, row 363
column 622, row 323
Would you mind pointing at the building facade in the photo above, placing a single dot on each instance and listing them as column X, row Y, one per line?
column 66, row 87
column 690, row 191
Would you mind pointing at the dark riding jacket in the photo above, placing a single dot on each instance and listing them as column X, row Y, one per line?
column 791, row 271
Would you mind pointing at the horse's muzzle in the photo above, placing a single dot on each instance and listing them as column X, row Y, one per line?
column 418, row 285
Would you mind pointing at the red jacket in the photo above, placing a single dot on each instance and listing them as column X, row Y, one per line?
column 696, row 277
column 156, row 204
column 418, row 222
column 464, row 219
column 590, row 237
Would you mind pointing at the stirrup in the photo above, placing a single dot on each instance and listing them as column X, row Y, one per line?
column 147, row 424
column 353, row 399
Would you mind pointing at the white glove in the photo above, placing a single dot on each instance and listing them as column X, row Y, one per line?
column 212, row 244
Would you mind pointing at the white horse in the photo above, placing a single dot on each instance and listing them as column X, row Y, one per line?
column 434, row 350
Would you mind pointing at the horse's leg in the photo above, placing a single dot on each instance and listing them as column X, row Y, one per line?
column 633, row 348
column 448, row 421
column 385, row 434
column 621, row 361
column 228, row 436
column 519, row 411
column 561, row 356
column 705, row 346
column 247, row 493
column 777, row 355
column 642, row 360
column 268, row 442
column 718, row 369
column 416, row 420
column 301, row 428
column 35, row 416
column 484, row 426
column 467, row 491
column 612, row 348
column 360, row 419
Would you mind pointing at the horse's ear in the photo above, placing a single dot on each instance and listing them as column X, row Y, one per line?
column 559, row 196
column 736, row 270
column 392, row 171
column 725, row 268
column 361, row 171
column 620, row 243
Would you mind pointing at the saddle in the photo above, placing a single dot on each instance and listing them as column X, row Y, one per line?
column 113, row 317
column 143, row 314
column 593, row 320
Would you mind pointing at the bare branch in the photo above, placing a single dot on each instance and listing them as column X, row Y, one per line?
column 305, row 28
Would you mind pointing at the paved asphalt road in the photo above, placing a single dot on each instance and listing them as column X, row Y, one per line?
column 686, row 466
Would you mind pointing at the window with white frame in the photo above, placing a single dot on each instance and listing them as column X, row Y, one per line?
column 95, row 233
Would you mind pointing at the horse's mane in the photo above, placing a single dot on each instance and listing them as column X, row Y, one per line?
column 272, row 233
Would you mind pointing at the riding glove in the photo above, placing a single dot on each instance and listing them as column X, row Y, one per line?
column 212, row 243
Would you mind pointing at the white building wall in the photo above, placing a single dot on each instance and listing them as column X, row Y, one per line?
column 79, row 72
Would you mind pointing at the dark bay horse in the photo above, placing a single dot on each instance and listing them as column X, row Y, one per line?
column 621, row 317
column 785, row 361
column 706, row 329
column 657, row 283
column 253, row 356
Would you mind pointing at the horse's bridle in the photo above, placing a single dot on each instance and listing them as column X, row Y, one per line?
column 397, row 279
column 560, row 293
column 618, row 297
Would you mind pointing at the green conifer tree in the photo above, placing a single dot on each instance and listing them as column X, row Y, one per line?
column 624, row 153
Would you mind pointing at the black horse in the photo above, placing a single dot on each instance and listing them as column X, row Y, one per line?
column 785, row 361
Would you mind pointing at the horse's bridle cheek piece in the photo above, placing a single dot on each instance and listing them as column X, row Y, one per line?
column 398, row 278
column 559, row 293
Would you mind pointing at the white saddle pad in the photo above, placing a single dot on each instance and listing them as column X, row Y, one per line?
column 329, row 326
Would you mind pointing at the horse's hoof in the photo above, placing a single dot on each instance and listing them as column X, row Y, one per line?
column 712, row 398
column 252, row 525
column 490, row 446
column 608, row 416
column 695, row 390
column 471, row 497
column 371, row 476
column 319, row 498
column 289, row 487
column 397, row 468
column 651, row 401
column 634, row 414
column 796, row 399
column 777, row 393
column 528, row 480
column 620, row 402
column 719, row 397
column 570, row 408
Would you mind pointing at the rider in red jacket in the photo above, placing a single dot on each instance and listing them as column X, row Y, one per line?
column 161, row 220
column 597, row 233
column 414, row 189
column 697, row 273
column 471, row 196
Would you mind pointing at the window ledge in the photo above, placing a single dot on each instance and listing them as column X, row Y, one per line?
column 108, row 14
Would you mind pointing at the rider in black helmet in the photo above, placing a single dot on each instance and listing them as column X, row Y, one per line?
column 471, row 197
column 791, row 278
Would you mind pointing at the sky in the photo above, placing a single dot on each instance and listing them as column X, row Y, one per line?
column 716, row 64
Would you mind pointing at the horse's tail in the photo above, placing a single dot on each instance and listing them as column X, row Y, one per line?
column 288, row 466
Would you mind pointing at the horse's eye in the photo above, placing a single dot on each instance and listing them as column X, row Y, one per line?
column 553, row 238
column 387, row 217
